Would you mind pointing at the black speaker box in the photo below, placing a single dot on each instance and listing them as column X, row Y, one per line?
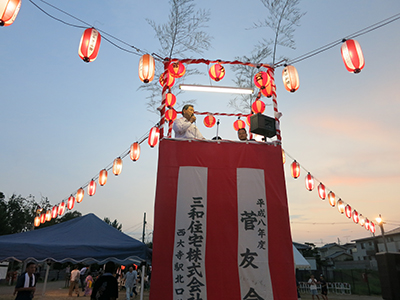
column 262, row 125
column 389, row 274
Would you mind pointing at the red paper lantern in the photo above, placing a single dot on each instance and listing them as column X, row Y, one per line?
column 355, row 216
column 290, row 79
column 91, row 188
column 347, row 211
column 36, row 222
column 153, row 136
column 61, row 208
column 209, row 121
column 367, row 223
column 258, row 107
column 217, row 72
column 103, row 177
column 372, row 227
column 239, row 124
column 267, row 92
column 122, row 267
column 8, row 11
column 353, row 57
column 361, row 220
column 170, row 100
column 117, row 166
column 295, row 169
column 331, row 199
column 135, row 151
column 54, row 212
column 71, row 202
column 248, row 121
column 48, row 215
column 283, row 156
column 340, row 206
column 89, row 45
column 170, row 115
column 261, row 80
column 79, row 195
column 321, row 191
column 176, row 69
column 167, row 79
column 147, row 68
column 42, row 218
column 309, row 182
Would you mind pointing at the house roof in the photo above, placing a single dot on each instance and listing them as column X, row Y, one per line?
column 330, row 245
column 337, row 254
column 395, row 231
column 301, row 246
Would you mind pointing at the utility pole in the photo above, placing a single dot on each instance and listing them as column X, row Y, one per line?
column 144, row 227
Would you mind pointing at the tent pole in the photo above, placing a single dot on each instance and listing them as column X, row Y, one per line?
column 142, row 283
column 45, row 279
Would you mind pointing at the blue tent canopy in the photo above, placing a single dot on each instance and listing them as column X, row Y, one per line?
column 85, row 239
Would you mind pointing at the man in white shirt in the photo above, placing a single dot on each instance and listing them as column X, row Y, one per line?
column 130, row 283
column 184, row 127
column 74, row 282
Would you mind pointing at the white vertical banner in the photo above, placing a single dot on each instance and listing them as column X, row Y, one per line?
column 189, row 274
column 254, row 274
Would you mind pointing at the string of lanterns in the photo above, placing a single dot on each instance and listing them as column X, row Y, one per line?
column 343, row 208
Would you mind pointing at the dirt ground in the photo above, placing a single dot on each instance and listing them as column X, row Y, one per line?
column 56, row 291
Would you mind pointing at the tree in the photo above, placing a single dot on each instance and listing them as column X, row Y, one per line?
column 284, row 16
column 182, row 34
column 114, row 223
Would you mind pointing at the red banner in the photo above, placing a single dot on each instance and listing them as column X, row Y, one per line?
column 221, row 228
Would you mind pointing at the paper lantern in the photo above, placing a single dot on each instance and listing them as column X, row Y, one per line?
column 71, row 202
column 91, row 188
column 147, row 68
column 134, row 153
column 61, row 208
column 248, row 121
column 153, row 136
column 353, row 57
column 295, row 169
column 347, row 211
column 209, row 121
column 366, row 225
column 321, row 191
column 48, row 215
column 355, row 216
column 170, row 100
column 283, row 156
column 54, row 212
column 103, row 175
column 89, row 45
column 170, row 115
column 176, row 69
column 290, row 79
column 217, row 72
column 239, row 124
column 331, row 199
column 258, row 107
column 267, row 92
column 117, row 166
column 167, row 79
column 309, row 182
column 8, row 11
column 340, row 206
column 36, row 222
column 261, row 80
column 361, row 220
column 42, row 218
column 79, row 195
column 372, row 227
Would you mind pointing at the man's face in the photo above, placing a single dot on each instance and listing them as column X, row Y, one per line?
column 31, row 269
column 131, row 269
column 242, row 135
column 187, row 113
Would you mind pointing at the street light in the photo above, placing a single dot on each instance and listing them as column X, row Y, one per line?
column 380, row 223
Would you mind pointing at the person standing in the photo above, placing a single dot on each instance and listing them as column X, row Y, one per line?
column 324, row 288
column 312, row 282
column 130, row 283
column 106, row 286
column 26, row 283
column 89, row 285
column 184, row 127
column 74, row 281
column 82, row 276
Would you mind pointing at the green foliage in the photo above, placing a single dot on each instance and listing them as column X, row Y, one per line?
column 114, row 223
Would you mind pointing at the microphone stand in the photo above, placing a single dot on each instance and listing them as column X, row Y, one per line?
column 217, row 128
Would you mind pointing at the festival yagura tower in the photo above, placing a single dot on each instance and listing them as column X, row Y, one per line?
column 221, row 228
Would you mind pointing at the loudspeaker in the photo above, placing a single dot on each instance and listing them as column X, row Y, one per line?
column 262, row 125
column 389, row 274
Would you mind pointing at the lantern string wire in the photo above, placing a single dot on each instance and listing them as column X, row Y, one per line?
column 337, row 42
column 315, row 179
